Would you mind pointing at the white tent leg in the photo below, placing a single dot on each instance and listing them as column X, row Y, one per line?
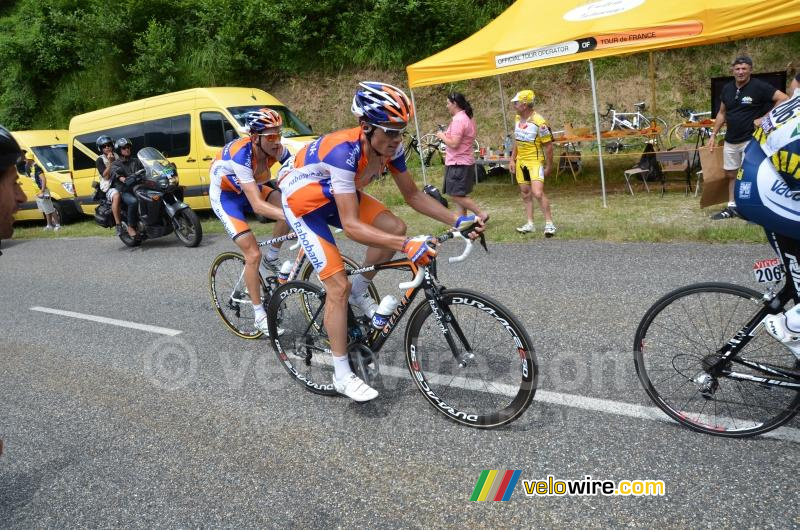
column 597, row 132
column 503, row 105
column 419, row 140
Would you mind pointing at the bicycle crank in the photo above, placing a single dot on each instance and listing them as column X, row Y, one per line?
column 364, row 363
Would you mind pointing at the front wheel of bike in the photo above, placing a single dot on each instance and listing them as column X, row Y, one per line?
column 229, row 294
column 488, row 378
column 680, row 336
column 295, row 314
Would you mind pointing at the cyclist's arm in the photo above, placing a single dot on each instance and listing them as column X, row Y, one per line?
column 512, row 164
column 361, row 232
column 548, row 157
column 259, row 205
column 422, row 202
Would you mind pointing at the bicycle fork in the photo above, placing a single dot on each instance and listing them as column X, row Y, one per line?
column 445, row 319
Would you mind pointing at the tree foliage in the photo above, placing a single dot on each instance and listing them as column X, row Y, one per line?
column 62, row 57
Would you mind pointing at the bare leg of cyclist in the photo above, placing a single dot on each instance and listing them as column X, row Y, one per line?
column 537, row 190
column 388, row 222
column 252, row 257
column 345, row 381
column 280, row 229
column 527, row 201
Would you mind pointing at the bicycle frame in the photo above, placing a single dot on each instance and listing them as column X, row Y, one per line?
column 632, row 124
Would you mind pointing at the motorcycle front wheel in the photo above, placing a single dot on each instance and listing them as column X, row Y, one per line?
column 187, row 227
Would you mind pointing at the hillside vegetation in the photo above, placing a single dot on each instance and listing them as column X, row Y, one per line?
column 66, row 57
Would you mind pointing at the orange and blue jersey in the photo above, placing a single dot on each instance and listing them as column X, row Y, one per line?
column 233, row 166
column 330, row 165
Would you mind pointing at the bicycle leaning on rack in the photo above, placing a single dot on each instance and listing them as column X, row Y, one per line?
column 688, row 131
column 229, row 291
column 430, row 148
column 704, row 357
column 469, row 356
column 632, row 121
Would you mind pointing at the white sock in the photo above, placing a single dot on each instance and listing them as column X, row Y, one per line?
column 258, row 311
column 272, row 253
column 360, row 285
column 341, row 367
column 793, row 318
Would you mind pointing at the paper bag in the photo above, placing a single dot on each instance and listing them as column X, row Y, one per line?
column 716, row 188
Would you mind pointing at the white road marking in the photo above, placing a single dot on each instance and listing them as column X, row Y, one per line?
column 110, row 321
column 607, row 406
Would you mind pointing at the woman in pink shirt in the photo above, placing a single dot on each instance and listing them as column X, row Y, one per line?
column 459, row 160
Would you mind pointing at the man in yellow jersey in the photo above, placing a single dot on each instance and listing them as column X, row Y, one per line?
column 531, row 159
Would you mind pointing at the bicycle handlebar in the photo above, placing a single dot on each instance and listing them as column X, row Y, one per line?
column 450, row 234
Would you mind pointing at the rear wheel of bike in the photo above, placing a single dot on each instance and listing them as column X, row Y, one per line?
column 488, row 385
column 231, row 298
column 187, row 226
column 295, row 314
column 432, row 149
column 681, row 135
column 684, row 330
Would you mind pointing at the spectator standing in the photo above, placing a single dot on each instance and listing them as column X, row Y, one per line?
column 103, row 163
column 43, row 200
column 459, row 160
column 742, row 101
column 532, row 159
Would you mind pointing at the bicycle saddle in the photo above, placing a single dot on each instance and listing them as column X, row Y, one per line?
column 640, row 105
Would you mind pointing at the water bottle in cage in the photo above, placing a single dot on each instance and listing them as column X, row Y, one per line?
column 384, row 311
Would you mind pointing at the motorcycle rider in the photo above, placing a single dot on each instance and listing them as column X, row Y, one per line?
column 105, row 144
column 123, row 172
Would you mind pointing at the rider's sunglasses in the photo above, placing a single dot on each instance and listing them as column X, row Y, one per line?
column 108, row 145
column 389, row 131
column 272, row 137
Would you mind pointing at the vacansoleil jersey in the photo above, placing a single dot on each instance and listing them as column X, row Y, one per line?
column 531, row 136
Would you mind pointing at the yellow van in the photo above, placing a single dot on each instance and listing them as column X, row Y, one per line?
column 49, row 149
column 189, row 127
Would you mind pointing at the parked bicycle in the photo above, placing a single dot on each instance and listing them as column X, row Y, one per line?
column 469, row 356
column 703, row 356
column 689, row 129
column 229, row 292
column 633, row 121
column 430, row 148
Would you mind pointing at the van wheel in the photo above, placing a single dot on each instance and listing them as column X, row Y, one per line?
column 188, row 229
column 60, row 217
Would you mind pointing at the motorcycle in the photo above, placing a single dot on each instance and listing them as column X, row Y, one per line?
column 161, row 206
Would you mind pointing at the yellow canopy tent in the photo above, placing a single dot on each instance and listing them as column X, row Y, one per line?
column 535, row 33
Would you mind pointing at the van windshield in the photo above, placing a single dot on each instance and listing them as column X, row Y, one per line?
column 292, row 125
column 53, row 157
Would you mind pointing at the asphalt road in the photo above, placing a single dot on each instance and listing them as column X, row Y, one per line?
column 112, row 426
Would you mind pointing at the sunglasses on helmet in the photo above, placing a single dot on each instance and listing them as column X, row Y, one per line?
column 271, row 137
column 389, row 131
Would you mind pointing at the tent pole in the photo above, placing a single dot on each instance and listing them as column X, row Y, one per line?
column 652, row 84
column 419, row 139
column 503, row 106
column 597, row 132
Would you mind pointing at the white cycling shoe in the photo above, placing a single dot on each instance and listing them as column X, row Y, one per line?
column 262, row 325
column 365, row 303
column 354, row 388
column 776, row 326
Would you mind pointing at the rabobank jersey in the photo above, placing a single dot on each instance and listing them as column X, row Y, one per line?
column 330, row 165
column 234, row 166
column 531, row 135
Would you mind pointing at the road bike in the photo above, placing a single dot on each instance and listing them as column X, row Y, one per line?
column 689, row 130
column 633, row 121
column 229, row 292
column 703, row 356
column 430, row 148
column 469, row 356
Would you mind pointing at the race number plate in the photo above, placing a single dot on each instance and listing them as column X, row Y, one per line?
column 768, row 270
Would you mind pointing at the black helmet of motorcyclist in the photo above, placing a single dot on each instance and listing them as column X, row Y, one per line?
column 104, row 140
column 10, row 151
column 120, row 143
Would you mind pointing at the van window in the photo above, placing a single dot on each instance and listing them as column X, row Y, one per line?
column 168, row 135
column 54, row 157
column 79, row 158
column 292, row 125
column 171, row 136
column 216, row 129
